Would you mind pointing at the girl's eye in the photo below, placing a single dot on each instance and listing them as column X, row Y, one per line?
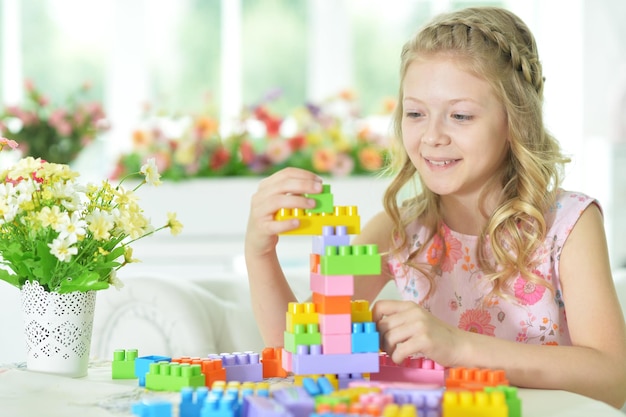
column 462, row 117
column 413, row 114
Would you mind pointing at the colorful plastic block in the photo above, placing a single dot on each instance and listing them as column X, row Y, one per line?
column 191, row 402
column 313, row 223
column 264, row 407
column 300, row 313
column 323, row 201
column 346, row 379
column 212, row 368
column 221, row 404
column 351, row 260
column 332, row 304
column 331, row 236
column 360, row 311
column 336, row 343
column 413, row 369
column 242, row 366
column 142, row 366
column 310, row 360
column 332, row 284
column 302, row 335
column 365, row 338
column 427, row 401
column 123, row 365
column 296, row 400
column 169, row 376
column 157, row 408
column 473, row 379
column 474, row 404
column 513, row 402
column 272, row 363
column 335, row 323
column 327, row 382
column 405, row 410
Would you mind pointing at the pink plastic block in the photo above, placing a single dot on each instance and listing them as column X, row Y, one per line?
column 413, row 369
column 336, row 343
column 286, row 360
column 331, row 236
column 310, row 361
column 332, row 284
column 335, row 323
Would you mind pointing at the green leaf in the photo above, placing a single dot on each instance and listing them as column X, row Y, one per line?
column 87, row 281
column 10, row 278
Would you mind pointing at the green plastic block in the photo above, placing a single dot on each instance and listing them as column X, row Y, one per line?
column 351, row 260
column 123, row 365
column 513, row 402
column 169, row 376
column 323, row 201
column 303, row 334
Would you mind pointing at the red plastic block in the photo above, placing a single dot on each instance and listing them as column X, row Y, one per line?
column 474, row 404
column 332, row 284
column 271, row 358
column 336, row 304
column 313, row 223
column 413, row 369
column 473, row 379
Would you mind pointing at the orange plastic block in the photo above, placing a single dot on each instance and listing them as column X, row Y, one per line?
column 360, row 311
column 271, row 358
column 332, row 304
column 313, row 223
column 301, row 313
column 315, row 263
column 213, row 369
column 473, row 379
column 474, row 404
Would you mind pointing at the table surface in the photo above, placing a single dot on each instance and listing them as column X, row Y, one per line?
column 27, row 394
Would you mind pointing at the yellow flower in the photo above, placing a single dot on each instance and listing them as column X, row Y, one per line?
column 150, row 171
column 175, row 226
column 128, row 255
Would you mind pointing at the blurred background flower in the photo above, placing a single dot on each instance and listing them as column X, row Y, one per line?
column 55, row 134
column 329, row 138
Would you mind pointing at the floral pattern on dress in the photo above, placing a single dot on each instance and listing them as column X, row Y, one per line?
column 477, row 321
column 528, row 292
column 445, row 252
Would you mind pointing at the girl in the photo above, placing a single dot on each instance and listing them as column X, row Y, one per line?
column 497, row 265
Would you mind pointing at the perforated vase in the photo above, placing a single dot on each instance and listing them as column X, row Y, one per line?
column 58, row 330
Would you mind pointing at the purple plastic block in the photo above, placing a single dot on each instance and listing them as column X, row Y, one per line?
column 310, row 361
column 427, row 401
column 346, row 379
column 331, row 236
column 256, row 406
column 296, row 400
column 241, row 366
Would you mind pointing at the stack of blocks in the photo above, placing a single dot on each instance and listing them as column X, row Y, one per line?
column 332, row 334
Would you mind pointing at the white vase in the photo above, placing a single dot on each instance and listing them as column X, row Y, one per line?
column 58, row 330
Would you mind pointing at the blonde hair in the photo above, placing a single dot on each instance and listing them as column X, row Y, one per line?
column 497, row 46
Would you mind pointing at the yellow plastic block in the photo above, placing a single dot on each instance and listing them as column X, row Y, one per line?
column 301, row 313
column 313, row 223
column 361, row 312
column 474, row 404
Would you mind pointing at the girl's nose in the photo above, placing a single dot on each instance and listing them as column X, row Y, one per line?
column 435, row 134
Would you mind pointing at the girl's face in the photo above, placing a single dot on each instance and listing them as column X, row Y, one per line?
column 454, row 128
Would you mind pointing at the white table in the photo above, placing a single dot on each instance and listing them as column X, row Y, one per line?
column 27, row 394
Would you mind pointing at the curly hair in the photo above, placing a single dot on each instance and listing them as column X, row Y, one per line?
column 497, row 46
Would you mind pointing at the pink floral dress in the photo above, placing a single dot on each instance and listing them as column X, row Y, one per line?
column 536, row 315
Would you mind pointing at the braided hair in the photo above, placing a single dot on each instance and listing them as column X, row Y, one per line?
column 497, row 46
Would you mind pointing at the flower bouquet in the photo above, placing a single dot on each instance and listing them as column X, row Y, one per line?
column 329, row 138
column 60, row 242
column 53, row 133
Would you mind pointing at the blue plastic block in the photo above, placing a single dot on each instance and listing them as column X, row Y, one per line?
column 142, row 366
column 365, row 338
column 190, row 404
column 152, row 409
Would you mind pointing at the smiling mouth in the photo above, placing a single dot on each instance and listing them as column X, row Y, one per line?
column 441, row 163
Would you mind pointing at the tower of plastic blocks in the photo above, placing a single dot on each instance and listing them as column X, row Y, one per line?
column 332, row 334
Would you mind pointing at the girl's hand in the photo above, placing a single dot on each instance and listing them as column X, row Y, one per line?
column 283, row 189
column 406, row 329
